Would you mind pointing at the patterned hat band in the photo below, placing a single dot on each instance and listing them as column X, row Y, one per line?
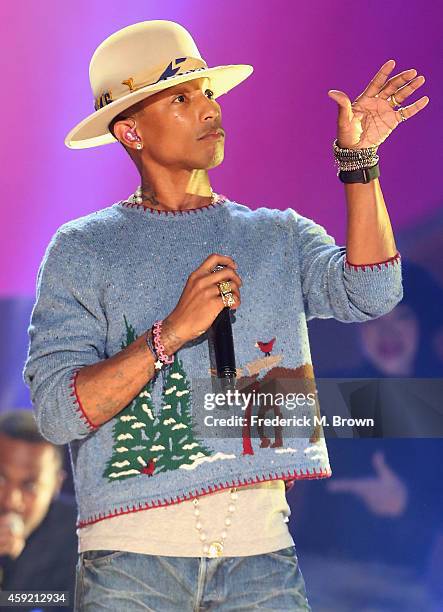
column 138, row 61
column 175, row 68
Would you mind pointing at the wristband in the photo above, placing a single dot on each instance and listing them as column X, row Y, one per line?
column 158, row 364
column 362, row 175
column 160, row 349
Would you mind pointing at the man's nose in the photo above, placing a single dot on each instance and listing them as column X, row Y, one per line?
column 208, row 106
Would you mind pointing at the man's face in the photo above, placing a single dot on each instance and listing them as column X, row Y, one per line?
column 30, row 477
column 172, row 122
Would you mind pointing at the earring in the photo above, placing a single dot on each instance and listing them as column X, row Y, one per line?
column 139, row 146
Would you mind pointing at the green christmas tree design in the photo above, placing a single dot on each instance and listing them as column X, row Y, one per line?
column 132, row 429
column 146, row 442
column 176, row 442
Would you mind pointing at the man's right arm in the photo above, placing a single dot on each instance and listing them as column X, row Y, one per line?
column 105, row 388
column 74, row 386
column 67, row 338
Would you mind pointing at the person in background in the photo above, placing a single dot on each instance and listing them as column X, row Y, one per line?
column 402, row 343
column 38, row 542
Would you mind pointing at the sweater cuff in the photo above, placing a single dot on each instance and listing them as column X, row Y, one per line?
column 387, row 262
column 60, row 415
column 374, row 288
column 77, row 403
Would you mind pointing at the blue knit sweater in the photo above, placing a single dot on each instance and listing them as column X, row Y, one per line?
column 103, row 281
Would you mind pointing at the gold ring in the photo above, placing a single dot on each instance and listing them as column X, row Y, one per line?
column 225, row 287
column 228, row 299
column 393, row 102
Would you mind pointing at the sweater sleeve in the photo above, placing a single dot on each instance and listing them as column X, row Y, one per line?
column 334, row 288
column 67, row 331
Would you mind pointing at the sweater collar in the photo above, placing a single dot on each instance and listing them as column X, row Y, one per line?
column 207, row 210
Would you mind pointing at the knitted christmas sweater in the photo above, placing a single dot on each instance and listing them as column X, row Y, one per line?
column 103, row 281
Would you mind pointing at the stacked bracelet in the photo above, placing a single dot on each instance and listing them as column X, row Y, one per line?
column 160, row 349
column 356, row 165
column 354, row 159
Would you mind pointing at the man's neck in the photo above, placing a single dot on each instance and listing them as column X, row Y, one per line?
column 196, row 192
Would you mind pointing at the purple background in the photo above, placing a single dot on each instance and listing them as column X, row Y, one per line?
column 280, row 123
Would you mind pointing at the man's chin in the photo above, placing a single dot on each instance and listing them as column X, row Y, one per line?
column 212, row 157
column 216, row 160
column 207, row 164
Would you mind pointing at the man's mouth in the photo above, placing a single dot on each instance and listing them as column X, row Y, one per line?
column 217, row 133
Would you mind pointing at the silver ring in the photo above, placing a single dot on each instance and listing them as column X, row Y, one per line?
column 403, row 118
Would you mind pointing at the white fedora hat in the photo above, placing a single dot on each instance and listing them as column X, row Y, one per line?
column 136, row 62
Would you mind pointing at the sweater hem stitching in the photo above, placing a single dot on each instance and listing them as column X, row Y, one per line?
column 220, row 199
column 391, row 261
column 167, row 501
column 77, row 403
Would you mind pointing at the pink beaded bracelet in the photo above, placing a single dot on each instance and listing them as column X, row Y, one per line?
column 161, row 352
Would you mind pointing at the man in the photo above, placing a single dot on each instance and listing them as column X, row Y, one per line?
column 130, row 292
column 38, row 544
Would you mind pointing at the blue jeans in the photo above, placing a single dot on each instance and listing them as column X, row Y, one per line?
column 118, row 581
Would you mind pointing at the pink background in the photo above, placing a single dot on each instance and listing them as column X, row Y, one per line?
column 280, row 123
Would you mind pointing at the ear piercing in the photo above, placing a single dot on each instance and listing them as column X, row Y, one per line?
column 132, row 135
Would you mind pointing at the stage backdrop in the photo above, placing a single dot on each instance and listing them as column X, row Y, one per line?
column 280, row 123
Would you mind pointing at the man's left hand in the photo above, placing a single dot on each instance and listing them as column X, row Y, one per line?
column 369, row 120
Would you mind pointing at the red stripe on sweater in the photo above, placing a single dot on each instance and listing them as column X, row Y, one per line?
column 391, row 261
column 78, row 405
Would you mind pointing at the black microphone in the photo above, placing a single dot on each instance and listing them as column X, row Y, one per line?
column 220, row 333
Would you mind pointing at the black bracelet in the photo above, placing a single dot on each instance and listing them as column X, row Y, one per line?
column 362, row 175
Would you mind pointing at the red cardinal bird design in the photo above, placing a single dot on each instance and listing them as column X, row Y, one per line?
column 149, row 469
column 265, row 347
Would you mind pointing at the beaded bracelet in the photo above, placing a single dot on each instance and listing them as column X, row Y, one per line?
column 160, row 349
column 354, row 159
column 158, row 364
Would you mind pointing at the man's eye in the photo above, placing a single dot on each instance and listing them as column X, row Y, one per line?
column 207, row 90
